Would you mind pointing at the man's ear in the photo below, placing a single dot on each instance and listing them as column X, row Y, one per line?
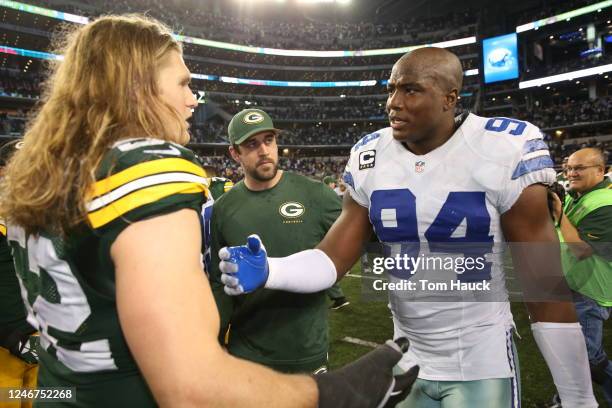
column 451, row 99
column 235, row 154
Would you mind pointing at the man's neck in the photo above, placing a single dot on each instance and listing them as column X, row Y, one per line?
column 257, row 185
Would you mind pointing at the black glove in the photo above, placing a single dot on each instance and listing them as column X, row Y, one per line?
column 368, row 382
column 22, row 343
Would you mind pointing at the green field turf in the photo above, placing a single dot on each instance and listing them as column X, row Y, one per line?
column 371, row 321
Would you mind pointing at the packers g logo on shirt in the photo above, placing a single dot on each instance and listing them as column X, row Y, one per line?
column 292, row 209
column 253, row 118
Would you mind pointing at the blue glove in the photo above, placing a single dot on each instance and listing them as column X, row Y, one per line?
column 244, row 268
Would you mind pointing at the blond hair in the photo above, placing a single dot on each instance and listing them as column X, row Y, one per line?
column 104, row 90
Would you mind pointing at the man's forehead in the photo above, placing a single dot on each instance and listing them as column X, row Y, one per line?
column 403, row 75
column 579, row 158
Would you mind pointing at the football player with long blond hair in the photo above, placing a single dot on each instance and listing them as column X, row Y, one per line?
column 103, row 205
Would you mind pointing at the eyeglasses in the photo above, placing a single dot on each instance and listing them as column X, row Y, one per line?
column 578, row 169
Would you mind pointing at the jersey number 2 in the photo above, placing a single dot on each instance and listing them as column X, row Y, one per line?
column 64, row 306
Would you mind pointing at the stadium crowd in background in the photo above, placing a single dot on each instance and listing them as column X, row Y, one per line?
column 314, row 167
column 317, row 135
column 213, row 24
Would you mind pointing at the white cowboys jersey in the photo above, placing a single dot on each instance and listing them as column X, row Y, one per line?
column 454, row 194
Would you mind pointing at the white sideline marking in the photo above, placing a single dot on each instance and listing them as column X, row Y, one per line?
column 360, row 342
column 352, row 275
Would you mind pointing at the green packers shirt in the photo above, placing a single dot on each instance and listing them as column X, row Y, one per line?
column 71, row 283
column 285, row 331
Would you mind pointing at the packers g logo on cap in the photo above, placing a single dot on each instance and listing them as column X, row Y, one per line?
column 253, row 118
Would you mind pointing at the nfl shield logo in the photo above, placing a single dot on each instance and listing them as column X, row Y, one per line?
column 419, row 166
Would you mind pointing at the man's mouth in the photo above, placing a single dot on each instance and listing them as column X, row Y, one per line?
column 397, row 123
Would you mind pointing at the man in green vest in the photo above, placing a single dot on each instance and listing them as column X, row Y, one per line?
column 585, row 225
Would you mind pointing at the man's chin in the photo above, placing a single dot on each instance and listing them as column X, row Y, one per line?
column 577, row 187
column 265, row 175
column 403, row 136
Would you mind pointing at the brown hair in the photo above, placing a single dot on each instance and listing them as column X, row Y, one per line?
column 102, row 91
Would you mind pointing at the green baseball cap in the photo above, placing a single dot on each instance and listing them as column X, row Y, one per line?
column 247, row 123
column 329, row 179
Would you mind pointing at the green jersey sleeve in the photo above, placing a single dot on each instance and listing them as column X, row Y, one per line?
column 142, row 178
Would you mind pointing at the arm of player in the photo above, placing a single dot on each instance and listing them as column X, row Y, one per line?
column 535, row 253
column 247, row 267
column 170, row 322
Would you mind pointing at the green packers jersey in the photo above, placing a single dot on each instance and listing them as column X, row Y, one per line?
column 285, row 331
column 71, row 283
column 219, row 185
column 12, row 310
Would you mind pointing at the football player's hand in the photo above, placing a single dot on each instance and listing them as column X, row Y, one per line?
column 244, row 268
column 557, row 207
column 368, row 382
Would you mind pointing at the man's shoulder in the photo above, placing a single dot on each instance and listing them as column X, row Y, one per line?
column 373, row 140
column 309, row 184
column 301, row 179
column 234, row 193
column 139, row 178
column 600, row 196
column 133, row 152
column 503, row 140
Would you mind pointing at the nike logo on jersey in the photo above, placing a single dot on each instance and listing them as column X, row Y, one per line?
column 130, row 144
column 170, row 151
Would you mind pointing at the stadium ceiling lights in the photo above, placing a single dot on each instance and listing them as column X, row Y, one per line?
column 569, row 76
column 323, row 1
column 243, row 48
column 597, row 7
column 60, row 15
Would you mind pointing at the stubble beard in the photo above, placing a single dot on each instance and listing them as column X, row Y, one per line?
column 262, row 176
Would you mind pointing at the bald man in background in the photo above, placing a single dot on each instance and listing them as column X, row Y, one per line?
column 585, row 224
column 433, row 179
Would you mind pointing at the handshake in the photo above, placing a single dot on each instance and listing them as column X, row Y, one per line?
column 367, row 382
